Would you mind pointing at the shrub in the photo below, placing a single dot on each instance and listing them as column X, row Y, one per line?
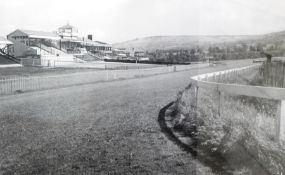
column 242, row 130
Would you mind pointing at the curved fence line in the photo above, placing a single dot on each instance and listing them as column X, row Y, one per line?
column 246, row 90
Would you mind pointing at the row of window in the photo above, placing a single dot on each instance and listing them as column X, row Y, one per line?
column 103, row 48
column 19, row 37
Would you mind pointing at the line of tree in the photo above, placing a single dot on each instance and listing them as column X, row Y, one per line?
column 224, row 52
column 182, row 55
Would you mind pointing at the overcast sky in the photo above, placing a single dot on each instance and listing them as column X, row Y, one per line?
column 120, row 20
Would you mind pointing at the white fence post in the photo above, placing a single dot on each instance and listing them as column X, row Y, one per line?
column 280, row 121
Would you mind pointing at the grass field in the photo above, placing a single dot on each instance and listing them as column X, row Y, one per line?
column 107, row 128
column 103, row 128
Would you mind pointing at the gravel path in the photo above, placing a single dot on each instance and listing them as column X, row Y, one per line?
column 104, row 128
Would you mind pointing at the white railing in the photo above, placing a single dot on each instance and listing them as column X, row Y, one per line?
column 20, row 84
column 204, row 81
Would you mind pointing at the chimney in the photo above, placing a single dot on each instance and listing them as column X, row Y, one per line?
column 90, row 37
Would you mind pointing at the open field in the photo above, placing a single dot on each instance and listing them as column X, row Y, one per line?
column 107, row 128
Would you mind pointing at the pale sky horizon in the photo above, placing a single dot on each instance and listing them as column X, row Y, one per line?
column 120, row 20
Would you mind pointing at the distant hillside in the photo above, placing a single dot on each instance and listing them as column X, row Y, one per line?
column 273, row 38
column 187, row 42
column 179, row 42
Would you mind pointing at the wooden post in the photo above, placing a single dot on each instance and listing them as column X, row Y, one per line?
column 280, row 122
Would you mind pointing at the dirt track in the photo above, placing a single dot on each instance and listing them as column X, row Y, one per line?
column 107, row 128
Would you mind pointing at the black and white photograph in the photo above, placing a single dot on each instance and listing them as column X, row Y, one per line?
column 142, row 87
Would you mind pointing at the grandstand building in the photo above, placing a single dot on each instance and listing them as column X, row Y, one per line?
column 65, row 41
column 33, row 43
column 72, row 43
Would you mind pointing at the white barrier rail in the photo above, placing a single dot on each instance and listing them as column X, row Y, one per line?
column 246, row 90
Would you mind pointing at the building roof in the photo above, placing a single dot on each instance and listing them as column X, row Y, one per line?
column 37, row 34
column 68, row 26
column 40, row 34
column 3, row 40
column 86, row 41
column 100, row 42
column 92, row 43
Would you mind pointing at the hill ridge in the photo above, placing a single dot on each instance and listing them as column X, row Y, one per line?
column 162, row 42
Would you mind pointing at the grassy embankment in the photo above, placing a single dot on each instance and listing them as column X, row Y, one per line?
column 242, row 132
